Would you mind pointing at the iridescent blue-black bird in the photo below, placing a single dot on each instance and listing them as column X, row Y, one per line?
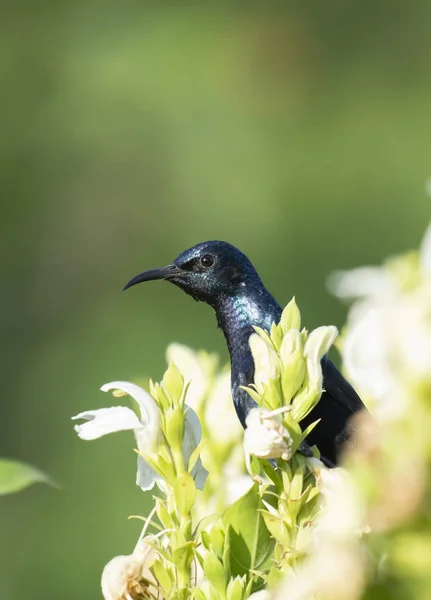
column 220, row 275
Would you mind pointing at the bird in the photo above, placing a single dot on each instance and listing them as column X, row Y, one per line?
column 220, row 275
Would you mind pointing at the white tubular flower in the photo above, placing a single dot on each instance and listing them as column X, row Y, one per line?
column 127, row 577
column 102, row 421
column 317, row 345
column 265, row 437
column 266, row 361
column 219, row 413
column 196, row 368
column 388, row 341
column 344, row 513
column 319, row 341
column 146, row 428
column 363, row 282
column 389, row 346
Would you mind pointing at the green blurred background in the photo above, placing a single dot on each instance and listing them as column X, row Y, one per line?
column 299, row 131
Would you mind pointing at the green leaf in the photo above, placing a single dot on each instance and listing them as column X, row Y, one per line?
column 206, row 540
column 203, row 523
column 195, row 455
column 275, row 576
column 162, row 575
column 165, row 469
column 310, row 428
column 277, row 527
column 163, row 514
column 16, row 476
column 198, row 594
column 182, row 557
column 251, row 392
column 185, row 493
column 215, row 573
column 251, row 544
column 217, row 537
column 263, row 334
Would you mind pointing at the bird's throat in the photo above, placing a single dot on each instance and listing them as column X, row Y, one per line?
column 237, row 315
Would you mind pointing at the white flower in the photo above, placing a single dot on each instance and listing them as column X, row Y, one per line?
column 146, row 428
column 197, row 368
column 388, row 346
column 219, row 413
column 363, row 282
column 388, row 341
column 261, row 595
column 344, row 511
column 317, row 345
column 378, row 283
column 265, row 437
column 128, row 577
column 335, row 571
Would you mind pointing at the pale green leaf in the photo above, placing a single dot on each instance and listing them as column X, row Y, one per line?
column 16, row 476
column 251, row 544
column 185, row 493
column 183, row 555
column 215, row 573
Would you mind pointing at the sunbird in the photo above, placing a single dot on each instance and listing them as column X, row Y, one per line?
column 222, row 276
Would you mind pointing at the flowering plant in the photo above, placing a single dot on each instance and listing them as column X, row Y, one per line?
column 242, row 514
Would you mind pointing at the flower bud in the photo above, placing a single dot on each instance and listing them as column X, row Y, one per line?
column 291, row 317
column 265, row 437
column 293, row 362
column 235, row 589
column 266, row 361
column 128, row 576
column 173, row 383
column 317, row 345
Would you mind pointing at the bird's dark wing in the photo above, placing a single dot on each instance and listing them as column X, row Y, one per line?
column 339, row 389
column 339, row 402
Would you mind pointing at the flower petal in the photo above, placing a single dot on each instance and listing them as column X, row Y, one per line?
column 145, row 476
column 220, row 413
column 265, row 437
column 199, row 474
column 266, row 361
column 192, row 437
column 319, row 341
column 196, row 368
column 150, row 413
column 363, row 282
column 102, row 421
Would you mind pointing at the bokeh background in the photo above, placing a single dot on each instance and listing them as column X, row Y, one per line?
column 298, row 131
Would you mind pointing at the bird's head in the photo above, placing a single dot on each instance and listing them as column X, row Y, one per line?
column 207, row 272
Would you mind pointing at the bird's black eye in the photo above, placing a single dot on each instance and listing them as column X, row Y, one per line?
column 207, row 260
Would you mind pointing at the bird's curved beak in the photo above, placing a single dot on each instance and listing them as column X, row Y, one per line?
column 162, row 273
